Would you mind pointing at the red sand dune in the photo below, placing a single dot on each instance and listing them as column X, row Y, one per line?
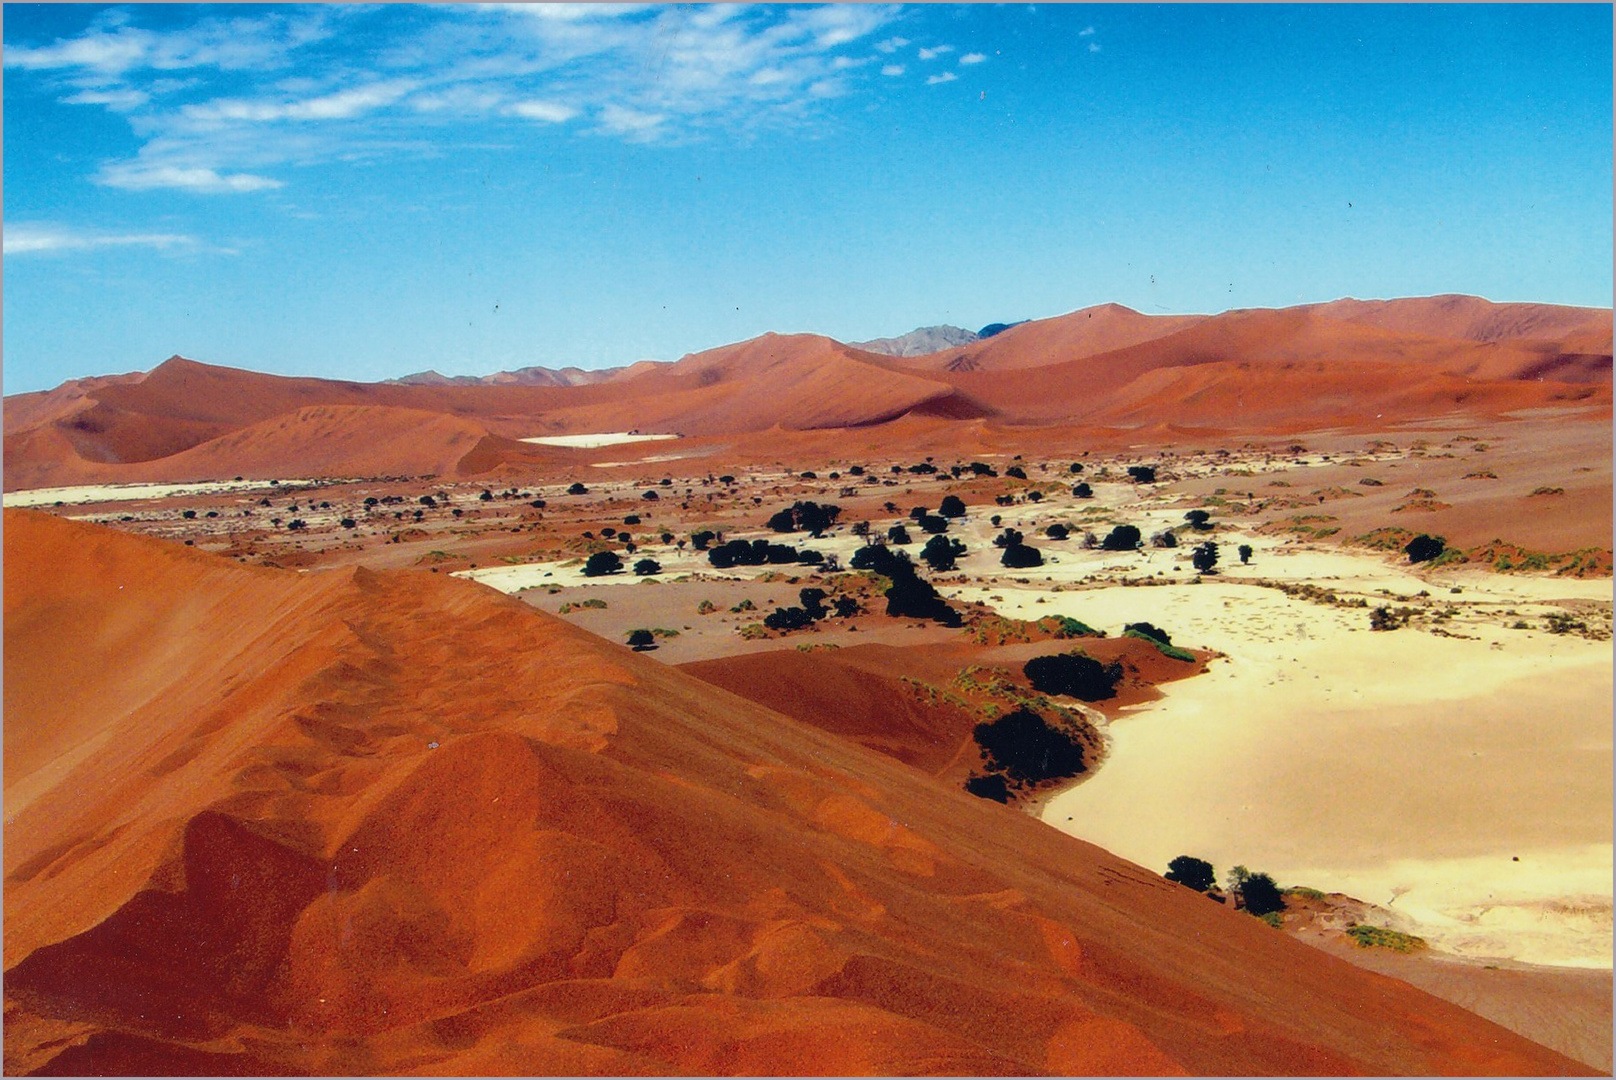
column 24, row 412
column 317, row 440
column 790, row 381
column 1473, row 319
column 1342, row 364
column 1086, row 332
column 351, row 821
column 1266, row 356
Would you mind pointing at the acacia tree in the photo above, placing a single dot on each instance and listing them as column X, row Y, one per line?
column 602, row 563
column 1075, row 674
column 1424, row 548
column 1205, row 556
column 1121, row 538
column 940, row 552
column 1192, row 873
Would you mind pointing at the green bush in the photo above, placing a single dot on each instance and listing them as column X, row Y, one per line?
column 1379, row 937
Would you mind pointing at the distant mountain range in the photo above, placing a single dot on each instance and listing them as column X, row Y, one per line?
column 921, row 342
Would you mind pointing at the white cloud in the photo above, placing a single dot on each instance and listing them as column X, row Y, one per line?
column 947, row 76
column 1093, row 47
column 892, row 69
column 633, row 123
column 118, row 100
column 936, row 51
column 548, row 111
column 30, row 239
column 1086, row 32
column 223, row 104
column 136, row 176
column 972, row 58
column 343, row 105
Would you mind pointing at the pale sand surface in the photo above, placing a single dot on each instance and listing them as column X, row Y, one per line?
column 96, row 493
column 1404, row 768
column 595, row 439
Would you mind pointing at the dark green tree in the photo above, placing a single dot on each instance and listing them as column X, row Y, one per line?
column 1121, row 538
column 602, row 563
column 1074, row 674
column 1191, row 872
column 1424, row 548
column 1260, row 895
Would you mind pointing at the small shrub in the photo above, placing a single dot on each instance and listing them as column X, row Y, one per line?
column 1380, row 937
column 1068, row 627
column 1387, row 618
column 1147, row 631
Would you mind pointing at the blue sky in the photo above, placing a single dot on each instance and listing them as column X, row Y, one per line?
column 363, row 192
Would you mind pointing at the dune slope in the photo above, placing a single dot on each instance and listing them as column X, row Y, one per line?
column 260, row 822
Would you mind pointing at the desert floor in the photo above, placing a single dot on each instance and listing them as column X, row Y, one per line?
column 1454, row 772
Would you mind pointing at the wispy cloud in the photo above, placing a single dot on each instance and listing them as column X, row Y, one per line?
column 972, row 58
column 947, row 76
column 145, row 176
column 34, row 239
column 549, row 111
column 224, row 104
column 892, row 69
column 935, row 51
column 1087, row 31
column 1094, row 46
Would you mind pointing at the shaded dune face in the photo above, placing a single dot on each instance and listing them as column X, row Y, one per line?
column 359, row 822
